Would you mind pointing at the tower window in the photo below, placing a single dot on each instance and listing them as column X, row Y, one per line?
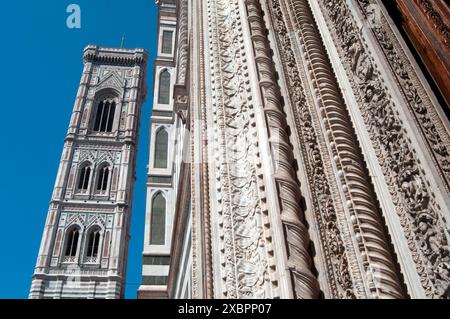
column 93, row 243
column 72, row 242
column 83, row 179
column 158, row 220
column 104, row 118
column 164, row 88
column 103, row 179
column 167, row 42
column 161, row 146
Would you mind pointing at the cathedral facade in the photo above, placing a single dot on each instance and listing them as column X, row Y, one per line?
column 299, row 149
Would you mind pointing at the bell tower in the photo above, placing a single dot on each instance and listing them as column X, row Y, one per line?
column 84, row 247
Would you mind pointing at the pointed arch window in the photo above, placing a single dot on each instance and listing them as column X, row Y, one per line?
column 161, row 148
column 164, row 87
column 83, row 179
column 158, row 220
column 104, row 117
column 73, row 236
column 103, row 178
column 93, row 245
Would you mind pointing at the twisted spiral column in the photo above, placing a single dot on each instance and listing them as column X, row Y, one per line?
column 360, row 199
column 297, row 238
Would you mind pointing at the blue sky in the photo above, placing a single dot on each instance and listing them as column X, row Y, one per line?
column 41, row 64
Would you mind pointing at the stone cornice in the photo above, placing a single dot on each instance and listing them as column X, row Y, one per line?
column 115, row 56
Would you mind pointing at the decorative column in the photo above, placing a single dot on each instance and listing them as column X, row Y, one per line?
column 360, row 261
column 297, row 239
column 391, row 106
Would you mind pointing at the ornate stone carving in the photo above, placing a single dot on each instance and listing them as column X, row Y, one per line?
column 413, row 92
column 243, row 241
column 87, row 155
column 338, row 274
column 345, row 280
column 180, row 90
column 204, row 165
column 297, row 239
column 420, row 217
column 110, row 80
column 183, row 43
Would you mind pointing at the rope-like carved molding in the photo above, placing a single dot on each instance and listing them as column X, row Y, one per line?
column 299, row 260
column 436, row 20
column 420, row 216
column 355, row 179
column 325, row 213
column 202, row 273
column 413, row 92
column 365, row 215
column 208, row 280
column 245, row 268
column 195, row 236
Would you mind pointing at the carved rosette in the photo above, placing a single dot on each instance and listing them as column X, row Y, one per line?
column 420, row 216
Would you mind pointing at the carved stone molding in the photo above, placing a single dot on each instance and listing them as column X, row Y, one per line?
column 297, row 239
column 379, row 278
column 183, row 43
column 338, row 275
column 239, row 206
column 181, row 96
column 417, row 98
column 208, row 280
column 420, row 216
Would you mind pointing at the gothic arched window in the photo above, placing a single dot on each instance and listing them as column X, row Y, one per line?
column 104, row 117
column 93, row 243
column 72, row 238
column 103, row 178
column 164, row 87
column 158, row 220
column 161, row 148
column 83, row 179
